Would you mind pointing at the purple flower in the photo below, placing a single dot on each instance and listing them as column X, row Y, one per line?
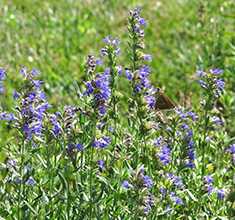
column 142, row 21
column 2, row 74
column 89, row 89
column 111, row 129
column 147, row 57
column 176, row 180
column 231, row 149
column 147, row 209
column 219, row 83
column 220, row 194
column 184, row 126
column 91, row 64
column 200, row 73
column 104, row 52
column 99, row 62
column 30, row 181
column 2, row 77
column 34, row 72
column 16, row 95
column 101, row 165
column 158, row 141
column 165, row 155
column 6, row 116
column 126, row 184
column 151, row 101
column 99, row 88
column 209, row 189
column 211, row 82
column 135, row 13
column 147, row 181
column 79, row 147
column 102, row 109
column 142, row 82
column 102, row 142
column 192, row 115
column 177, row 200
column 37, row 84
column 11, row 163
column 208, row 179
column 203, row 84
column 1, row 88
column 216, row 71
column 217, row 120
column 163, row 191
column 23, row 71
column 112, row 45
column 190, row 154
column 119, row 70
column 148, row 203
column 109, row 40
column 33, row 107
column 129, row 74
column 56, row 129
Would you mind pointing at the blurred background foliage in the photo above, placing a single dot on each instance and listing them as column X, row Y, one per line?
column 55, row 36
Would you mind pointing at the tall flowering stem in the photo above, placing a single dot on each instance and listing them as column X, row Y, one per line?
column 111, row 51
column 213, row 87
column 138, row 74
column 28, row 119
column 98, row 93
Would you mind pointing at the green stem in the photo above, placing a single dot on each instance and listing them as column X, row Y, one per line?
column 205, row 131
column 90, row 163
column 21, row 179
column 113, row 89
column 68, row 202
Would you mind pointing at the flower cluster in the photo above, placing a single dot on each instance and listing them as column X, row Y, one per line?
column 102, row 142
column 186, row 133
column 111, row 47
column 33, row 105
column 231, row 150
column 139, row 72
column 2, row 77
column 100, row 90
column 142, row 183
column 208, row 184
column 56, row 127
column 148, row 203
column 211, row 82
column 174, row 198
column 90, row 64
column 175, row 180
column 69, row 120
column 164, row 153
column 137, row 24
column 172, row 186
column 4, row 116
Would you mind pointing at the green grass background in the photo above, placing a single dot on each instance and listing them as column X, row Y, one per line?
column 55, row 36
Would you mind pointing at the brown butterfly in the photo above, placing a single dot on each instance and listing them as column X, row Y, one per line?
column 163, row 102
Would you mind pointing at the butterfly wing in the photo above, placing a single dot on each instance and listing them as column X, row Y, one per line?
column 163, row 102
